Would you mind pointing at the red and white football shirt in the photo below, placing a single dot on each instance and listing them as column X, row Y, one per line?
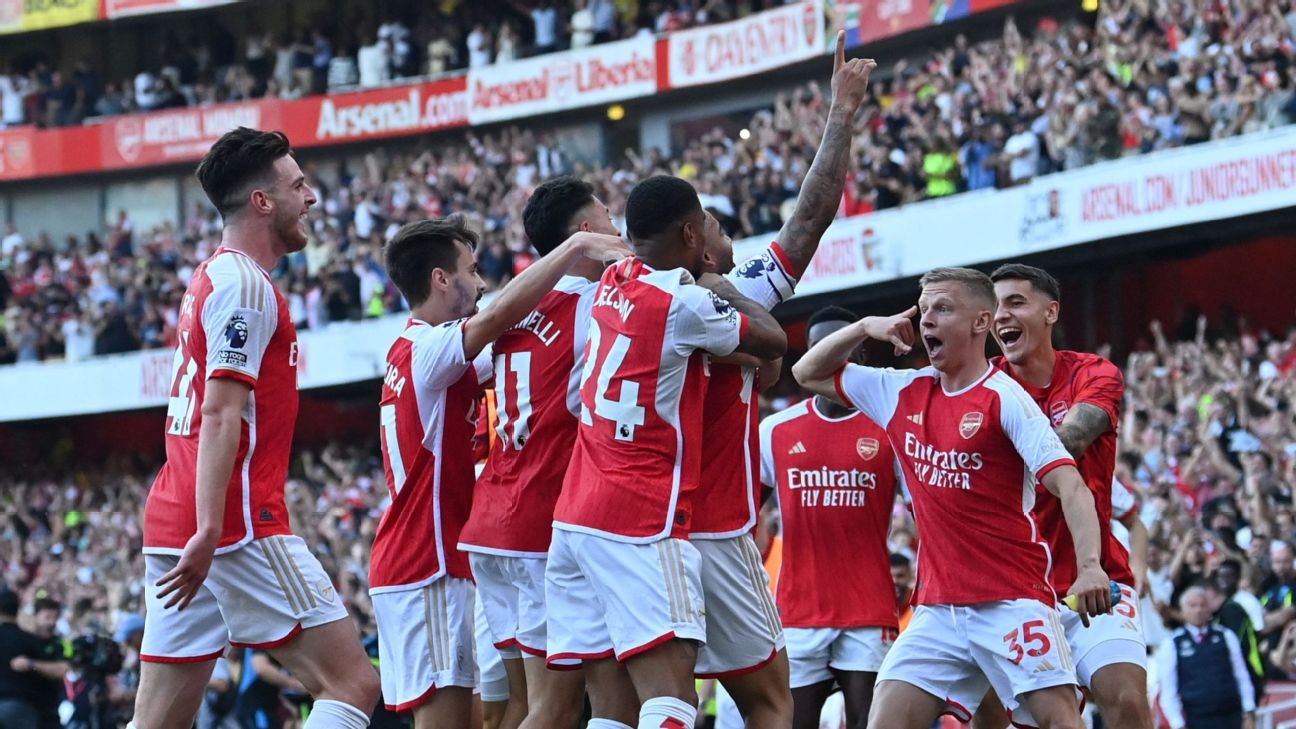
column 836, row 481
column 971, row 459
column 428, row 411
column 233, row 323
column 637, row 461
column 727, row 504
column 1123, row 499
column 537, row 402
column 1081, row 378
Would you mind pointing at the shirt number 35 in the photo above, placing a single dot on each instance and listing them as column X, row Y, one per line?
column 1033, row 636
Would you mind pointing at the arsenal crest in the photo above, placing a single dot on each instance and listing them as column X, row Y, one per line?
column 866, row 448
column 970, row 424
column 1058, row 412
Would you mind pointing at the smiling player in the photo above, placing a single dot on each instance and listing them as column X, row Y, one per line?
column 972, row 445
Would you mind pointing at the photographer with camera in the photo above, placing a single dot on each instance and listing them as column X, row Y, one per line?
column 56, row 650
column 94, row 686
column 22, row 670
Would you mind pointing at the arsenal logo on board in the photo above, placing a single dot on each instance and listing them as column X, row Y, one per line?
column 866, row 448
column 970, row 424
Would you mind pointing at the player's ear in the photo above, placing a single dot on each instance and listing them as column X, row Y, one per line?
column 981, row 324
column 260, row 201
column 1051, row 313
column 440, row 279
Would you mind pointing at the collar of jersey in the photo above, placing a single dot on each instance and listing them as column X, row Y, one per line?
column 223, row 249
column 984, row 376
column 815, row 409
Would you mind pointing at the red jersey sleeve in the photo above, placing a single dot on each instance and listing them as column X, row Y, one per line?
column 239, row 318
column 1028, row 428
column 1102, row 385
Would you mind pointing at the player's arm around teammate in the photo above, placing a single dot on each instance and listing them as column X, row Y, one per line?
column 764, row 338
column 521, row 295
column 420, row 582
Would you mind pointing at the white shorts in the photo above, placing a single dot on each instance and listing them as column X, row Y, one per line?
column 743, row 628
column 494, row 684
column 957, row 652
column 1109, row 639
column 511, row 590
column 425, row 641
column 259, row 596
column 812, row 651
column 610, row 598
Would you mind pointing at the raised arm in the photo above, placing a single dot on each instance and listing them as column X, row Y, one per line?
column 523, row 293
column 821, row 192
column 816, row 369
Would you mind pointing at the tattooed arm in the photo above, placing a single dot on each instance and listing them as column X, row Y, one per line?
column 821, row 192
column 1082, row 426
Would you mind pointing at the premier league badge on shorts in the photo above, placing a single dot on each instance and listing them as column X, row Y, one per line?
column 867, row 448
column 970, row 424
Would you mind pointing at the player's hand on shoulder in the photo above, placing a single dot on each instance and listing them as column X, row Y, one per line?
column 600, row 247
column 1094, row 592
column 898, row 329
column 850, row 78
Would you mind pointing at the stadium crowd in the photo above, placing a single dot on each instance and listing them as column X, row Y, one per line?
column 209, row 64
column 1144, row 76
column 1207, row 440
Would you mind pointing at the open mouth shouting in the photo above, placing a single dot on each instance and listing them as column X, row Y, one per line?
column 1010, row 338
column 934, row 345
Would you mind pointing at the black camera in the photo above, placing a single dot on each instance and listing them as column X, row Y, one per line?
column 96, row 655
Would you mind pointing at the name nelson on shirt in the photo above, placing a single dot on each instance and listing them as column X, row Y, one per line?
column 609, row 295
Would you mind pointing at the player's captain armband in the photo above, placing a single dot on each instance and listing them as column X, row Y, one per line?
column 236, row 342
column 765, row 278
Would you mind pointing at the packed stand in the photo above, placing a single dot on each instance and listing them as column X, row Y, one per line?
column 1207, row 441
column 970, row 118
column 202, row 67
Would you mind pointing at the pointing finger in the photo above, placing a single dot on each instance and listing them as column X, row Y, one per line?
column 839, row 59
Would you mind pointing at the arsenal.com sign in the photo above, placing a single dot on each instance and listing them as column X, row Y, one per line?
column 744, row 47
column 561, row 81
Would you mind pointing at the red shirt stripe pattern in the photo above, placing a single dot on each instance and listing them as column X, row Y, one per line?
column 1079, row 377
column 537, row 402
column 727, row 506
column 428, row 411
column 971, row 460
column 637, row 461
column 233, row 323
column 836, row 481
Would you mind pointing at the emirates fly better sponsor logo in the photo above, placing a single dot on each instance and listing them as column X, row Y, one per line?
column 410, row 111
